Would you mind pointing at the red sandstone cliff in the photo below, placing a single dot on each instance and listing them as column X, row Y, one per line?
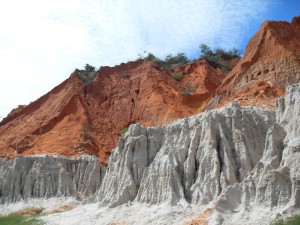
column 271, row 61
column 75, row 118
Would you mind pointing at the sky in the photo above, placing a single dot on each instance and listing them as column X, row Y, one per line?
column 43, row 41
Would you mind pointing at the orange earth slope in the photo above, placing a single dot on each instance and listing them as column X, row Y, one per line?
column 271, row 61
column 75, row 118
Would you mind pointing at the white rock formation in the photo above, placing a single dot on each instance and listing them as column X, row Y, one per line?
column 245, row 159
column 49, row 176
column 192, row 159
column 274, row 184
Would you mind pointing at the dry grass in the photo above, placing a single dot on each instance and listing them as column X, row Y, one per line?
column 62, row 208
column 28, row 212
column 201, row 219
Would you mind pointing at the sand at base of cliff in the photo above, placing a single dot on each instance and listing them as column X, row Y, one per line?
column 131, row 213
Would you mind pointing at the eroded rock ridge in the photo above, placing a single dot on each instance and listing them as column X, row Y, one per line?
column 49, row 176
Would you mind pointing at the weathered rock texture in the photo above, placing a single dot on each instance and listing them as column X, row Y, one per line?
column 271, row 61
column 274, row 183
column 240, row 158
column 49, row 176
column 200, row 80
column 85, row 117
column 192, row 159
column 79, row 117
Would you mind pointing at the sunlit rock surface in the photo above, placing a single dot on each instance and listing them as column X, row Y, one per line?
column 244, row 160
column 49, row 176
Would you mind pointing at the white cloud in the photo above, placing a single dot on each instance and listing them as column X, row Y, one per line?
column 42, row 42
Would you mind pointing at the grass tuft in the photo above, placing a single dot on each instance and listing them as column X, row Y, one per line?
column 22, row 220
column 291, row 221
column 24, row 217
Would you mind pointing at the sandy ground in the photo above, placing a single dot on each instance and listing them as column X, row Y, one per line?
column 131, row 213
column 93, row 214
column 68, row 211
column 46, row 204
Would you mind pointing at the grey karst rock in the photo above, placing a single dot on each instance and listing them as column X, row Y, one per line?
column 192, row 159
column 49, row 176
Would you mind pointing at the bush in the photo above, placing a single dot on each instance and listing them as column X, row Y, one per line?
column 205, row 50
column 123, row 131
column 150, row 57
column 215, row 58
column 87, row 75
column 177, row 76
column 85, row 132
column 188, row 89
column 89, row 68
column 170, row 61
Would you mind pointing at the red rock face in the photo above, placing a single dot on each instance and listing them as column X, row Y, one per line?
column 75, row 118
column 271, row 61
column 201, row 79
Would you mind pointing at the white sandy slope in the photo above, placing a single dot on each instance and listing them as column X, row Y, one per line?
column 46, row 204
column 129, row 213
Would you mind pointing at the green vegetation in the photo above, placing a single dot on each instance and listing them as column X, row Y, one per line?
column 89, row 68
column 123, row 131
column 22, row 220
column 188, row 89
column 150, row 57
column 177, row 76
column 24, row 217
column 292, row 221
column 87, row 127
column 85, row 132
column 217, row 57
column 87, row 75
column 169, row 62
